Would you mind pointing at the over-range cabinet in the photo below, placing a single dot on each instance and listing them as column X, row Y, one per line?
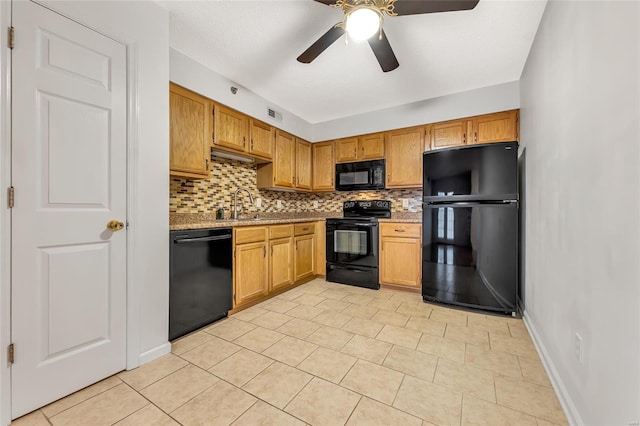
column 470, row 226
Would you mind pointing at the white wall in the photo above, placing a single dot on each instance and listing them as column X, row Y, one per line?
column 580, row 114
column 203, row 80
column 193, row 75
column 144, row 28
column 497, row 98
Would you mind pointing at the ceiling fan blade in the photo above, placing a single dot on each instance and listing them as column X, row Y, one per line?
column 384, row 54
column 321, row 44
column 416, row 7
column 327, row 2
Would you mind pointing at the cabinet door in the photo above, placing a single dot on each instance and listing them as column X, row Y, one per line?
column 448, row 133
column 262, row 139
column 251, row 272
column 321, row 252
column 324, row 167
column 404, row 157
column 284, row 163
column 303, row 164
column 231, row 129
column 304, row 255
column 499, row 127
column 189, row 128
column 346, row 150
column 281, row 263
column 400, row 261
column 371, row 147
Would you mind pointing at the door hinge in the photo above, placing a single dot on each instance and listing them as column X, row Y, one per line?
column 11, row 354
column 11, row 197
column 12, row 37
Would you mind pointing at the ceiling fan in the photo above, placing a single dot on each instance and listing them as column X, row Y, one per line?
column 363, row 20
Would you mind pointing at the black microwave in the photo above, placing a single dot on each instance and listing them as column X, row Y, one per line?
column 359, row 176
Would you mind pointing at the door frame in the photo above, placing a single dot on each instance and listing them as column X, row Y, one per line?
column 133, row 296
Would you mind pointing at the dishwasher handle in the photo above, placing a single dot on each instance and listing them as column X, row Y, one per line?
column 203, row 239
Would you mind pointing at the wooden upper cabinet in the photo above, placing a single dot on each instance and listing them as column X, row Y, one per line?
column 324, row 167
column 189, row 133
column 498, row 127
column 404, row 149
column 231, row 128
column 303, row 164
column 448, row 133
column 371, row 147
column 284, row 162
column 360, row 148
column 262, row 137
column 346, row 150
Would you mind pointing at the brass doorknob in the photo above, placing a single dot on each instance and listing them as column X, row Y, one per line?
column 115, row 225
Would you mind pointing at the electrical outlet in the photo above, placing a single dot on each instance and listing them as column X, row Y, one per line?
column 278, row 204
column 577, row 347
column 258, row 202
column 315, row 204
column 405, row 203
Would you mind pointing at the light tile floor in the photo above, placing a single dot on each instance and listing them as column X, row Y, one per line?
column 330, row 354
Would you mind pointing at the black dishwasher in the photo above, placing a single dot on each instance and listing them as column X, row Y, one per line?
column 200, row 284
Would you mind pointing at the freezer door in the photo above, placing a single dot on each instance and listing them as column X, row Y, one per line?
column 469, row 255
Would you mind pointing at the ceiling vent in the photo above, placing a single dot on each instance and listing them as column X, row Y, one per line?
column 276, row 115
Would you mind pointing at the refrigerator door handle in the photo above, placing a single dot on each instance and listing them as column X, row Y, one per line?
column 469, row 203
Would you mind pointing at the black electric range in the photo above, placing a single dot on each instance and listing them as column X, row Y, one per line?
column 352, row 243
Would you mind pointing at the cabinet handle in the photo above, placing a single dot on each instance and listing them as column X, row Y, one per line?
column 464, row 138
column 271, row 250
column 265, row 251
column 251, row 144
column 244, row 141
column 296, row 245
column 475, row 137
column 305, row 229
column 399, row 230
column 355, row 152
column 362, row 151
column 206, row 163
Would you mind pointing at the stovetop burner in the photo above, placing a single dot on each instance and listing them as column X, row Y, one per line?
column 367, row 208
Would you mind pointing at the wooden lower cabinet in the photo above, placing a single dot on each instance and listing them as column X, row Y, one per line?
column 269, row 259
column 281, row 263
column 400, row 255
column 305, row 249
column 321, row 248
column 251, row 272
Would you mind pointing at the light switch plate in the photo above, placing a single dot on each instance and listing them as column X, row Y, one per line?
column 258, row 202
column 405, row 203
column 279, row 204
column 315, row 204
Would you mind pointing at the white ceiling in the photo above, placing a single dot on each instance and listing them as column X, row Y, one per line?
column 256, row 43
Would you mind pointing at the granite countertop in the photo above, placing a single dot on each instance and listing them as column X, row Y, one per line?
column 185, row 221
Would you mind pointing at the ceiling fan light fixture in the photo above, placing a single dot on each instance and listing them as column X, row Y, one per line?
column 363, row 22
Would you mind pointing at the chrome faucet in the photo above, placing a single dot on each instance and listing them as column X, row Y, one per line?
column 235, row 201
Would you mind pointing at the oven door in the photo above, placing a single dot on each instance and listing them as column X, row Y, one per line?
column 352, row 242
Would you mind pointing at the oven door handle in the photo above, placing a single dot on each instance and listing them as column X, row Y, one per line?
column 368, row 225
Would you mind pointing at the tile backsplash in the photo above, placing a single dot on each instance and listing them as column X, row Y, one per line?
column 204, row 195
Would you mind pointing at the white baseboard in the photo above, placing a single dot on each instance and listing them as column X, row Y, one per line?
column 154, row 353
column 569, row 408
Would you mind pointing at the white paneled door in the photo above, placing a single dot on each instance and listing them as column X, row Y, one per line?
column 69, row 173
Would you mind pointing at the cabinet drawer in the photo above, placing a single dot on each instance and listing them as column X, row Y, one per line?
column 280, row 231
column 250, row 234
column 304, row 228
column 406, row 230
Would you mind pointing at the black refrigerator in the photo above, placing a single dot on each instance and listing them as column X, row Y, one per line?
column 470, row 226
